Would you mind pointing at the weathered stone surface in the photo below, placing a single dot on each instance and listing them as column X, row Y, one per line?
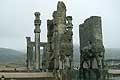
column 58, row 51
column 60, row 43
column 34, row 62
column 29, row 54
column 37, row 23
column 91, row 46
column 50, row 55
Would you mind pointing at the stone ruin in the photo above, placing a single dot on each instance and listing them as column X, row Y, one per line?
column 33, row 58
column 58, row 50
column 91, row 49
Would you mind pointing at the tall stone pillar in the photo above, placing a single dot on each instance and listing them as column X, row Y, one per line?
column 50, row 54
column 44, row 56
column 70, row 42
column 28, row 52
column 59, row 21
column 91, row 49
column 37, row 23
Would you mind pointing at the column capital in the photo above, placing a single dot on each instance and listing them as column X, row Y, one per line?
column 37, row 22
column 37, row 14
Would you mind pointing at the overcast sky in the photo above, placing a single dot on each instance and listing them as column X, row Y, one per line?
column 17, row 17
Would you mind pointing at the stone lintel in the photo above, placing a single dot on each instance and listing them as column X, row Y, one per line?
column 42, row 44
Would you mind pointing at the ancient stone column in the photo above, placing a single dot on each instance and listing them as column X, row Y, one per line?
column 59, row 21
column 44, row 56
column 50, row 54
column 60, row 17
column 29, row 53
column 37, row 23
column 70, row 42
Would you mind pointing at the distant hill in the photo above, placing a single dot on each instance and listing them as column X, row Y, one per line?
column 11, row 56
column 112, row 53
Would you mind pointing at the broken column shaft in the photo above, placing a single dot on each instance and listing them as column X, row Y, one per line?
column 37, row 23
column 29, row 53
